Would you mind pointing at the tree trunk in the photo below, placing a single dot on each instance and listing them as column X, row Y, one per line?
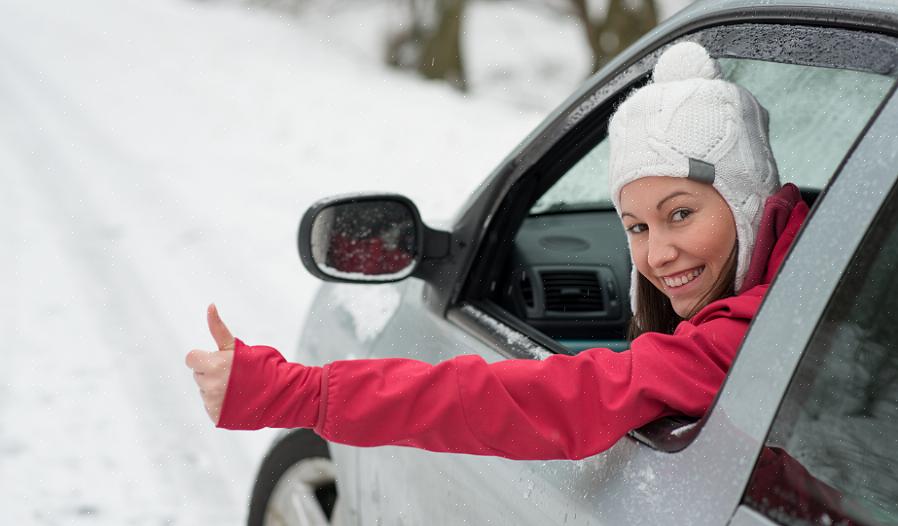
column 431, row 45
column 621, row 27
column 441, row 54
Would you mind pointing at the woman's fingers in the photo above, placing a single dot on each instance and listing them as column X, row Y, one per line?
column 211, row 371
column 210, row 386
column 223, row 337
column 209, row 363
column 198, row 361
column 203, row 361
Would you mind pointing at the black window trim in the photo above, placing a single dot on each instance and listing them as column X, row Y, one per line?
column 589, row 128
column 475, row 219
column 595, row 106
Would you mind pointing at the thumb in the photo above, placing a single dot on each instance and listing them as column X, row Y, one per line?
column 219, row 330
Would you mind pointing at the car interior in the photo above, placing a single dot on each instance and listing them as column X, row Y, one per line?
column 569, row 276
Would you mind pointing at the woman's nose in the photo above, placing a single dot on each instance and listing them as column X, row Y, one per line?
column 661, row 250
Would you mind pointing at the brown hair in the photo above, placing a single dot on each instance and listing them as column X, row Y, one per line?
column 654, row 313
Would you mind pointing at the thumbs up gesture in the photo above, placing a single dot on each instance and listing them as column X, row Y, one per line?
column 211, row 370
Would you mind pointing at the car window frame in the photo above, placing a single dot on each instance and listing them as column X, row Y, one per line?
column 546, row 156
column 489, row 322
column 447, row 278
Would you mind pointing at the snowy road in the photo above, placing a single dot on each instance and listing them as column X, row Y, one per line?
column 156, row 156
column 96, row 423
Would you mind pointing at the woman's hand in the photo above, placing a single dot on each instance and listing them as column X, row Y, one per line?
column 211, row 370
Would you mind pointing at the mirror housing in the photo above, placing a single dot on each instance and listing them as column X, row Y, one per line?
column 367, row 238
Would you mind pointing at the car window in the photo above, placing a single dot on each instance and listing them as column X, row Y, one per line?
column 815, row 115
column 584, row 186
column 832, row 453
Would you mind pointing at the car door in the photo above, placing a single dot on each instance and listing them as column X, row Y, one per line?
column 659, row 478
column 831, row 456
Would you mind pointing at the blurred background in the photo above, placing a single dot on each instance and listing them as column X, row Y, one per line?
column 157, row 156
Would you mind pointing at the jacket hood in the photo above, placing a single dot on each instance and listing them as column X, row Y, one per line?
column 784, row 213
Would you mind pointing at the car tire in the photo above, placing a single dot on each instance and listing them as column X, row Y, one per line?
column 296, row 483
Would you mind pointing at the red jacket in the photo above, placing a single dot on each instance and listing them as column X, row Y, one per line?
column 563, row 407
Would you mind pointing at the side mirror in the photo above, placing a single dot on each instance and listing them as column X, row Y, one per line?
column 375, row 238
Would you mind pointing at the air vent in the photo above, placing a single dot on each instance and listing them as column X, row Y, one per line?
column 571, row 291
column 527, row 290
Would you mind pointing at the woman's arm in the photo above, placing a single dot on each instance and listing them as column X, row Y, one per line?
column 562, row 407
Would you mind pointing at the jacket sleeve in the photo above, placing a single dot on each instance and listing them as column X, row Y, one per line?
column 265, row 390
column 563, row 407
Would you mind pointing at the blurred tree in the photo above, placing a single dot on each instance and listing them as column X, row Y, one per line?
column 624, row 22
column 293, row 7
column 431, row 43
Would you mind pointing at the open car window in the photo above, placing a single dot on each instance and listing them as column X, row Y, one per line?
column 569, row 271
column 551, row 272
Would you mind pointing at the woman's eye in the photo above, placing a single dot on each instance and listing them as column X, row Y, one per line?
column 637, row 228
column 681, row 214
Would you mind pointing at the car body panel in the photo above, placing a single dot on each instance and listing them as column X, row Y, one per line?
column 746, row 516
column 342, row 323
column 631, row 482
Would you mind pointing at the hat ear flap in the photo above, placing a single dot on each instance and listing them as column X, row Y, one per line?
column 747, row 217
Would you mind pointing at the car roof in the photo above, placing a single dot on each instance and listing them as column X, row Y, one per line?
column 871, row 15
column 885, row 6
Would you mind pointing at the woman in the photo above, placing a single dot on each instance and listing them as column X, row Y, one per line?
column 695, row 184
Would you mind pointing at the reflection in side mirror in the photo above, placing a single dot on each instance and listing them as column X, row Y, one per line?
column 366, row 239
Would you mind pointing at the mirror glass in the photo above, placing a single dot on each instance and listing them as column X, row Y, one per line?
column 372, row 240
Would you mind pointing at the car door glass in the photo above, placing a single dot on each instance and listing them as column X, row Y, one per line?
column 832, row 454
column 584, row 186
column 815, row 115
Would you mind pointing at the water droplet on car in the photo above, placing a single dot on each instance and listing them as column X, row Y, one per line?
column 529, row 490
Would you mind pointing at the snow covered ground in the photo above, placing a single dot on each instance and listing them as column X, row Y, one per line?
column 157, row 156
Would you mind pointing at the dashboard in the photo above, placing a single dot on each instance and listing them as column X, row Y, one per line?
column 569, row 276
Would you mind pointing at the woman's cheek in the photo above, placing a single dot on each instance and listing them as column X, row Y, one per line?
column 638, row 253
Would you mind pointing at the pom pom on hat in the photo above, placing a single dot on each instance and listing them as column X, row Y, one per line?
column 686, row 60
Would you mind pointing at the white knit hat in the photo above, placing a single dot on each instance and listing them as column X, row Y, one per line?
column 688, row 122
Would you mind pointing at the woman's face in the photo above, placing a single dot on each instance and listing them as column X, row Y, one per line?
column 681, row 235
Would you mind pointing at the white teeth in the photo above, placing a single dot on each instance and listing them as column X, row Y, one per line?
column 683, row 279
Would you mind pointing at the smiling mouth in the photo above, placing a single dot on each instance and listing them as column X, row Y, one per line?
column 681, row 279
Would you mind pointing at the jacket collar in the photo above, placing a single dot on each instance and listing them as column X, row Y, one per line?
column 784, row 213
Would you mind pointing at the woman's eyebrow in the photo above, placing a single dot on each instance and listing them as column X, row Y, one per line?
column 660, row 203
column 671, row 196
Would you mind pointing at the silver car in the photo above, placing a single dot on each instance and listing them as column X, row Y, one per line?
column 805, row 429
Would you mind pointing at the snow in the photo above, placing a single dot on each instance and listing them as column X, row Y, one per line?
column 370, row 307
column 392, row 276
column 514, row 339
column 156, row 157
